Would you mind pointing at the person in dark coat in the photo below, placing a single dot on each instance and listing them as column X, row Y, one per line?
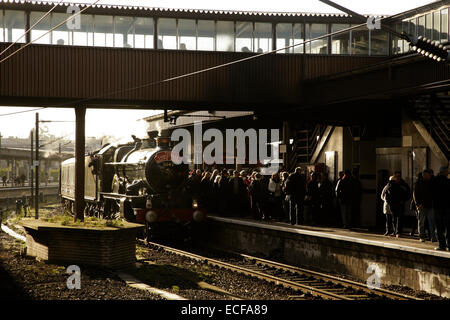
column 441, row 205
column 296, row 191
column 193, row 184
column 237, row 191
column 423, row 200
column 284, row 197
column 345, row 192
column 206, row 192
column 275, row 205
column 397, row 194
column 313, row 215
column 325, row 188
column 257, row 194
column 223, row 193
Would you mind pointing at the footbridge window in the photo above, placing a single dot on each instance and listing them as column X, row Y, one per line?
column 103, row 31
column 444, row 25
column 62, row 35
column 84, row 36
column 225, row 36
column 187, row 34
column 244, row 36
column 284, row 37
column 379, row 44
column 340, row 43
column 124, row 32
column 206, row 31
column 313, row 31
column 143, row 33
column 167, row 33
column 2, row 28
column 39, row 32
column 262, row 37
column 360, row 41
column 13, row 25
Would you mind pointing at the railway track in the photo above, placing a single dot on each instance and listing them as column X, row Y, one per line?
column 316, row 283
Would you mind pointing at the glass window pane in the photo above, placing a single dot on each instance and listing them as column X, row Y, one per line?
column 360, row 41
column 225, row 36
column 143, row 33
column 340, row 43
column 315, row 30
column 436, row 26
column 41, row 28
column 405, row 29
column 397, row 46
column 103, row 31
column 61, row 35
column 14, row 25
column 186, row 34
column 413, row 27
column 2, row 29
column 379, row 43
column 298, row 37
column 85, row 35
column 444, row 25
column 244, row 36
column 421, row 26
column 428, row 25
column 124, row 32
column 262, row 37
column 167, row 33
column 284, row 37
column 206, row 32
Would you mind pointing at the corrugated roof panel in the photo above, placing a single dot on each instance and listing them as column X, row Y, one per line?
column 182, row 10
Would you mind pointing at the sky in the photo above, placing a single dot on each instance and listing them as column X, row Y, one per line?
column 122, row 123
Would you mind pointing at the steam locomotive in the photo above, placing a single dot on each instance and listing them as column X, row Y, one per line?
column 139, row 182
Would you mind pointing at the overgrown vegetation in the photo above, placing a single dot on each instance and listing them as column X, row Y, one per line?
column 89, row 222
column 55, row 213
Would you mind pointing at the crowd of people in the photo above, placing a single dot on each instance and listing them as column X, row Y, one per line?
column 297, row 198
column 311, row 198
column 430, row 201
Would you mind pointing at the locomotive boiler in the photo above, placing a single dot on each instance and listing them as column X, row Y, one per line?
column 136, row 181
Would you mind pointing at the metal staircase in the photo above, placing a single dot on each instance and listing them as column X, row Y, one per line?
column 433, row 112
column 305, row 143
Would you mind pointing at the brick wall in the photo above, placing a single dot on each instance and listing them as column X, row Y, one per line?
column 106, row 248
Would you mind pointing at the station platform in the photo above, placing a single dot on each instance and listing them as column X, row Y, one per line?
column 396, row 261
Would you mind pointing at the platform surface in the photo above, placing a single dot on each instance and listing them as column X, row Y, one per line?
column 404, row 243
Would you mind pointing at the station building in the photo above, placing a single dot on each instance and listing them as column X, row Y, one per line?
column 359, row 99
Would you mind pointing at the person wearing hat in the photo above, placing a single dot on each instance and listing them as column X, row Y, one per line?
column 441, row 206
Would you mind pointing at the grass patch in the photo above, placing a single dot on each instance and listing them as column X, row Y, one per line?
column 89, row 222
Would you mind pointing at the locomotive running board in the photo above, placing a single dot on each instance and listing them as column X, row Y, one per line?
column 116, row 196
column 122, row 164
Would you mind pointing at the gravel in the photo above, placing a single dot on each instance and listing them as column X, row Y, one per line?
column 25, row 278
column 241, row 285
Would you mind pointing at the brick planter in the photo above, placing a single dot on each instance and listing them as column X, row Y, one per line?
column 106, row 246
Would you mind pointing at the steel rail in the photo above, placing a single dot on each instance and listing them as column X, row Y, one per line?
column 326, row 277
column 254, row 273
column 316, row 285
